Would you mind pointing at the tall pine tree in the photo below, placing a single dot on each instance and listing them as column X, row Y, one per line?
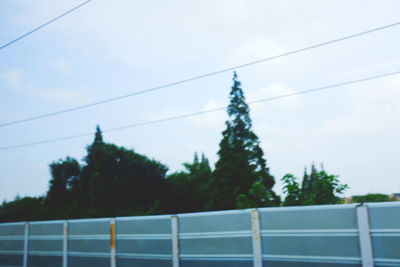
column 241, row 163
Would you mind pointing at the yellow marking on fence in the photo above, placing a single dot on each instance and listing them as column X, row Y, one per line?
column 112, row 236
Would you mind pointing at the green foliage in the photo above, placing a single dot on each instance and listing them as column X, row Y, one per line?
column 317, row 188
column 113, row 181
column 372, row 198
column 117, row 179
column 64, row 182
column 258, row 196
column 241, row 161
column 24, row 209
column 292, row 190
column 190, row 188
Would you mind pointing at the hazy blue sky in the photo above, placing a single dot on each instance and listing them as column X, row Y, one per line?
column 111, row 48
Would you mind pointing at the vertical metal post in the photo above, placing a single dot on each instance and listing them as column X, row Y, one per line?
column 26, row 245
column 113, row 243
column 175, row 241
column 65, row 244
column 364, row 236
column 256, row 230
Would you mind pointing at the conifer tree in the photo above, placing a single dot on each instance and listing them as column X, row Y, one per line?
column 241, row 161
column 98, row 137
column 308, row 187
column 317, row 188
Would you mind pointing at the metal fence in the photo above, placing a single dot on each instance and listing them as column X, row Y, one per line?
column 329, row 235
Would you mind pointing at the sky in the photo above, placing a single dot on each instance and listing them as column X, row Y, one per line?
column 111, row 48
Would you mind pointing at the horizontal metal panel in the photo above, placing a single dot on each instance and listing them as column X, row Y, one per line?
column 89, row 237
column 302, row 218
column 312, row 259
column 215, row 234
column 89, row 254
column 44, row 253
column 217, row 262
column 12, row 237
column 386, row 247
column 128, row 262
column 10, row 260
column 46, row 245
column 12, row 229
column 332, row 246
column 308, row 263
column 89, row 227
column 48, row 228
column 311, row 232
column 151, row 225
column 44, row 261
column 144, row 236
column 82, row 261
column 89, row 246
column 384, row 215
column 214, row 246
column 12, row 245
column 11, row 252
column 144, row 256
column 214, row 222
column 139, row 246
column 386, row 262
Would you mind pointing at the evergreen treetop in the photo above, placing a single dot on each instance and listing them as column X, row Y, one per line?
column 98, row 137
column 241, row 160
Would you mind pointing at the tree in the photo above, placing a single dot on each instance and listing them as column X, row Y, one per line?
column 292, row 190
column 64, row 182
column 25, row 209
column 241, row 161
column 190, row 188
column 317, row 188
column 118, row 181
column 257, row 196
column 98, row 137
column 372, row 198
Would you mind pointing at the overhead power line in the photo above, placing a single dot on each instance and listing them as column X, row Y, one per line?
column 206, row 111
column 44, row 25
column 197, row 77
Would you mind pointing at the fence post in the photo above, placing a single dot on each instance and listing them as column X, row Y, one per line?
column 65, row 244
column 26, row 243
column 175, row 241
column 113, row 243
column 256, row 230
column 364, row 236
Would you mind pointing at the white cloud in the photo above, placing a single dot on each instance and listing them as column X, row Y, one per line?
column 375, row 109
column 374, row 69
column 257, row 48
column 166, row 114
column 59, row 65
column 63, row 96
column 14, row 79
column 288, row 103
column 214, row 120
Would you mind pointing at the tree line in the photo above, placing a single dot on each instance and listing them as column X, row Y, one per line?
column 115, row 181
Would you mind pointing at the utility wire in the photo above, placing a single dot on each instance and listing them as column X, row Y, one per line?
column 207, row 111
column 44, row 25
column 198, row 77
